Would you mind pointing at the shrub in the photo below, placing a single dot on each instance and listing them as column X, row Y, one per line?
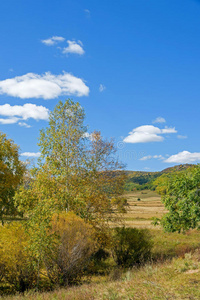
column 16, row 262
column 131, row 246
column 74, row 245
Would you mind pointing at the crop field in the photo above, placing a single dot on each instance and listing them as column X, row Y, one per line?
column 142, row 207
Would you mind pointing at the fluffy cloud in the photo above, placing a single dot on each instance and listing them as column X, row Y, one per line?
column 152, row 156
column 184, row 157
column 74, row 47
column 19, row 113
column 31, row 154
column 102, row 88
column 147, row 134
column 46, row 86
column 25, row 111
column 53, row 40
column 159, row 120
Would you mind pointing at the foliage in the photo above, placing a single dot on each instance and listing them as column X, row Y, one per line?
column 16, row 261
column 148, row 180
column 12, row 170
column 83, row 165
column 169, row 280
column 131, row 246
column 182, row 199
column 161, row 184
column 76, row 173
column 74, row 244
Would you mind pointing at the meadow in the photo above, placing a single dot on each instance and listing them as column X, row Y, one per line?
column 142, row 207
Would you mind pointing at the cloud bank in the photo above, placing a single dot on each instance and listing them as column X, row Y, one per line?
column 46, row 86
column 147, row 134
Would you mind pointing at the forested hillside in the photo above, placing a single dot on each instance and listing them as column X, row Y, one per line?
column 140, row 180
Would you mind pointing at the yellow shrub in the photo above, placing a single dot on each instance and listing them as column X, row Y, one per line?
column 75, row 243
column 16, row 263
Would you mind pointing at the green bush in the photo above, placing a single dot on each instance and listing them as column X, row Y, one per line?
column 131, row 246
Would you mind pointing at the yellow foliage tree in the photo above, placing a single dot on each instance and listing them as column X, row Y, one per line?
column 11, row 174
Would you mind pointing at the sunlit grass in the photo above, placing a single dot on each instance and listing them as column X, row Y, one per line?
column 178, row 279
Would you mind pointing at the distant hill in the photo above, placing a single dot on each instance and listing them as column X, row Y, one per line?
column 177, row 168
column 143, row 180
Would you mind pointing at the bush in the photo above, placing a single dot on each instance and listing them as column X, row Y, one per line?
column 16, row 262
column 131, row 246
column 74, row 245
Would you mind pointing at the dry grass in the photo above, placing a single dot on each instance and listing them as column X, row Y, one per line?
column 140, row 213
column 176, row 276
column 178, row 279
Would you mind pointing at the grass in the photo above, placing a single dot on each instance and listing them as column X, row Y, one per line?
column 172, row 273
column 140, row 213
column 178, row 279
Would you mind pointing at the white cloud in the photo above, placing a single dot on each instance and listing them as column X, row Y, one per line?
column 152, row 156
column 74, row 47
column 53, row 40
column 9, row 121
column 159, row 120
column 31, row 154
column 169, row 130
column 25, row 111
column 147, row 134
column 19, row 113
column 182, row 137
column 102, row 88
column 46, row 86
column 184, row 157
column 24, row 124
column 87, row 11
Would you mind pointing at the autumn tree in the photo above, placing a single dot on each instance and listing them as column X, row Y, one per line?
column 77, row 172
column 11, row 174
column 89, row 177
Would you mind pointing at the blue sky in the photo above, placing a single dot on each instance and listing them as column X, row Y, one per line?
column 133, row 65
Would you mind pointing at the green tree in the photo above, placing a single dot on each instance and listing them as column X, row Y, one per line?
column 11, row 175
column 182, row 199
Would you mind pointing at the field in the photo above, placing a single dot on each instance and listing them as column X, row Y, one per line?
column 143, row 206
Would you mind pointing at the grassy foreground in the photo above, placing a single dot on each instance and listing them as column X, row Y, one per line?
column 178, row 279
column 173, row 273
